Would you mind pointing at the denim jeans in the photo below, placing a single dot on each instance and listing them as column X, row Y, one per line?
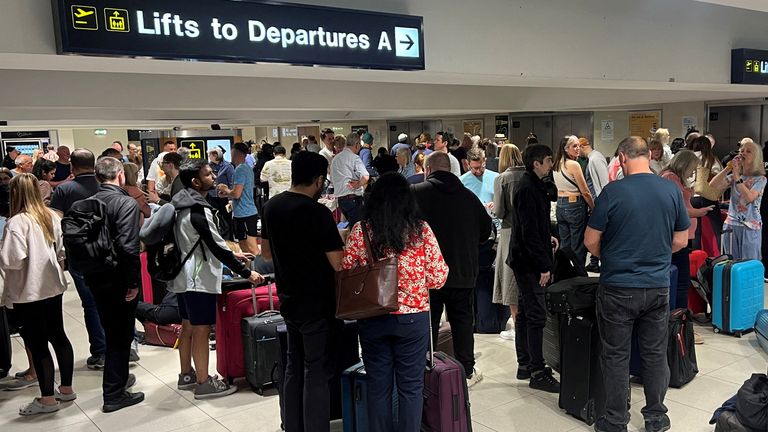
column 571, row 224
column 352, row 208
column 393, row 352
column 682, row 260
column 618, row 310
column 96, row 338
column 311, row 364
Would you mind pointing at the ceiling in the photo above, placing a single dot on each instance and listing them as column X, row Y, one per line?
column 757, row 5
column 69, row 91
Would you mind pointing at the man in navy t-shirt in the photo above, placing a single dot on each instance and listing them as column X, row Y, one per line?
column 636, row 225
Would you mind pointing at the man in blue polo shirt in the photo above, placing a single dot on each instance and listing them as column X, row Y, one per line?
column 635, row 246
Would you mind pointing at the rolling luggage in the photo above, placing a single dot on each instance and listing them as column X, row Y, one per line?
column 551, row 343
column 261, row 349
column 761, row 329
column 349, row 355
column 737, row 296
column 582, row 392
column 446, row 398
column 233, row 305
column 572, row 295
column 5, row 344
column 490, row 318
column 354, row 397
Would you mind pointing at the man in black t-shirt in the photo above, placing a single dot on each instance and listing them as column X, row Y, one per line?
column 300, row 236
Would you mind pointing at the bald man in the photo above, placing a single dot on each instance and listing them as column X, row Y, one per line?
column 461, row 224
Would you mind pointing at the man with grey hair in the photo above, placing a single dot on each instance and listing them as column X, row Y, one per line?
column 634, row 281
column 23, row 165
column 116, row 291
column 349, row 177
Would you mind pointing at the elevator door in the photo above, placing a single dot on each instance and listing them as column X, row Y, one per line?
column 729, row 124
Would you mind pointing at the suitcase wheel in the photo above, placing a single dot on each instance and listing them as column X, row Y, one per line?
column 259, row 390
column 737, row 334
column 716, row 330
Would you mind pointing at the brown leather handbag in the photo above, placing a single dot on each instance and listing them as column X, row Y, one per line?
column 369, row 290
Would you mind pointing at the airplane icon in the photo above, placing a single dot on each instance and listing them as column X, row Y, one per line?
column 82, row 13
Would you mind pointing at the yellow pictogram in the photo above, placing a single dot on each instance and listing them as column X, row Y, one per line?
column 195, row 148
column 749, row 65
column 84, row 17
column 116, row 20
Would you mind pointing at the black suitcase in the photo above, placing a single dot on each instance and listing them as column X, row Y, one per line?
column 582, row 392
column 5, row 344
column 551, row 343
column 572, row 295
column 349, row 355
column 260, row 345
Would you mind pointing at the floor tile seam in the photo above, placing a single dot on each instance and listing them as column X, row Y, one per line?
column 177, row 392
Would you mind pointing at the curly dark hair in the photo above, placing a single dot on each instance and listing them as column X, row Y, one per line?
column 390, row 211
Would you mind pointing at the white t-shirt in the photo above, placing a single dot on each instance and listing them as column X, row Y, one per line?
column 277, row 173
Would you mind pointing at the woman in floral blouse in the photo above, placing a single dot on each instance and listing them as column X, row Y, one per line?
column 394, row 345
column 745, row 174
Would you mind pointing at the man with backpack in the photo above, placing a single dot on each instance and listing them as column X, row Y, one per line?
column 114, row 281
column 203, row 252
column 84, row 185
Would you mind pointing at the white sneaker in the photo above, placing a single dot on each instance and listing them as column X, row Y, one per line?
column 475, row 378
column 508, row 334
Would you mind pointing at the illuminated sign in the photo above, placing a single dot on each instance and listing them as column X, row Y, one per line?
column 240, row 31
column 749, row 66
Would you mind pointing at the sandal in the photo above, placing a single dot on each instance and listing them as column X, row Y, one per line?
column 35, row 407
column 64, row 397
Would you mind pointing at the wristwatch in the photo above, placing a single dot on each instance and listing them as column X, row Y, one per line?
column 739, row 181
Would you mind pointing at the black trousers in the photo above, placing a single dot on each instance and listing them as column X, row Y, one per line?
column 158, row 314
column 619, row 310
column 42, row 322
column 312, row 352
column 530, row 320
column 459, row 307
column 117, row 318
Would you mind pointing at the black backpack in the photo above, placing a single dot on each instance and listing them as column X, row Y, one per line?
column 164, row 258
column 87, row 239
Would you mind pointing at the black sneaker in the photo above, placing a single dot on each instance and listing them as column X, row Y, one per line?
column 593, row 268
column 524, row 374
column 130, row 382
column 126, row 400
column 661, row 425
column 544, row 381
column 95, row 363
column 602, row 425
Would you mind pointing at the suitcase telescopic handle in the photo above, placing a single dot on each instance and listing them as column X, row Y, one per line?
column 431, row 361
column 269, row 279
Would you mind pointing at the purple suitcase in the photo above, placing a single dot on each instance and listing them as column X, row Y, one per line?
column 446, row 398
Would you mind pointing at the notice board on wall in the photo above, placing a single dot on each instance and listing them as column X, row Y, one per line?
column 644, row 123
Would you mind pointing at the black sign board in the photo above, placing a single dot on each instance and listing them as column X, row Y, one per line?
column 27, row 134
column 240, row 31
column 502, row 125
column 749, row 66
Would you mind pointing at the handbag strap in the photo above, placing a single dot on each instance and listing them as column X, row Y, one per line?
column 367, row 241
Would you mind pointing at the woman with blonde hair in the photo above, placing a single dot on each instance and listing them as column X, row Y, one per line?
column 505, row 288
column 573, row 197
column 679, row 170
column 31, row 255
column 743, row 227
column 657, row 156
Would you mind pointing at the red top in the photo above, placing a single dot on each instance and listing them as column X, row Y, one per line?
column 420, row 267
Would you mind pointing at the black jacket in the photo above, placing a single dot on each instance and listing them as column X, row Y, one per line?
column 123, row 215
column 459, row 221
column 530, row 248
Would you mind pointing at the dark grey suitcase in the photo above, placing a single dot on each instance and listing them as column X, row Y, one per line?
column 261, row 347
column 551, row 344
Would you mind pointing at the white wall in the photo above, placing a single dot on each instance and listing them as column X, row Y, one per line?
column 85, row 138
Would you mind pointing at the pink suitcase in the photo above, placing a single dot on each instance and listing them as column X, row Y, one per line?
column 231, row 307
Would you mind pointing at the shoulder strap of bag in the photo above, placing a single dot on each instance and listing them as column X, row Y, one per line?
column 568, row 178
column 367, row 241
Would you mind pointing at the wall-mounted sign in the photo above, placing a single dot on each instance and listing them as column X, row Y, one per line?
column 240, row 31
column 197, row 149
column 502, row 125
column 25, row 134
column 644, row 123
column 749, row 66
column 100, row 132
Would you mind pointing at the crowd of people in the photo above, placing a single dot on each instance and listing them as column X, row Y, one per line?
column 431, row 203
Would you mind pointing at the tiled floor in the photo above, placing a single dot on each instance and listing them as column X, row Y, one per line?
column 499, row 402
